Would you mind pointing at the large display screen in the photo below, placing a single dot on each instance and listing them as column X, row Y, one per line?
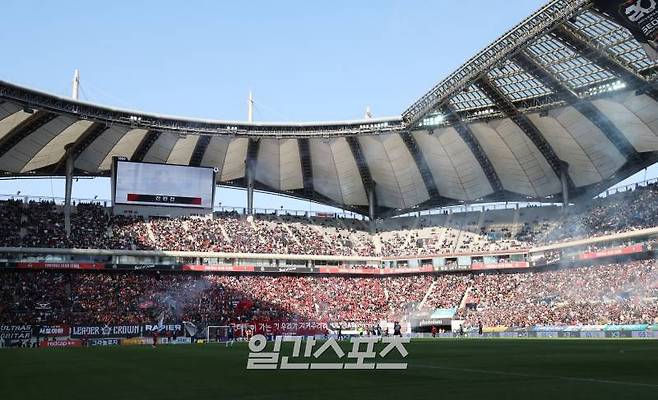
column 163, row 185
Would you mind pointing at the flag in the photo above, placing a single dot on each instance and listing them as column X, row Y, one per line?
column 638, row 16
column 190, row 328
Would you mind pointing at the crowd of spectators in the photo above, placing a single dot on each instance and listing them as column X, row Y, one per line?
column 594, row 295
column 130, row 297
column 41, row 224
column 620, row 212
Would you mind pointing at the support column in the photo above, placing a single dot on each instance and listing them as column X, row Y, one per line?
column 250, row 187
column 68, row 190
column 564, row 175
column 249, row 164
column 371, row 202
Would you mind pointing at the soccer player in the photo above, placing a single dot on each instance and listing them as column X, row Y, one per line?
column 230, row 336
column 154, row 335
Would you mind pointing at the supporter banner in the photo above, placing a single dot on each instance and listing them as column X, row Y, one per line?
column 103, row 342
column 178, row 340
column 15, row 332
column 635, row 327
column 592, row 334
column 50, row 265
column 213, row 268
column 645, row 334
column 286, row 269
column 172, row 329
column 375, row 271
column 574, row 334
column 279, row 328
column 61, row 343
column 518, row 329
column 568, row 334
column 415, row 270
column 54, row 330
column 136, row 341
column 549, row 334
column 509, row 265
column 638, row 16
column 615, row 251
column 618, row 334
column 143, row 267
column 492, row 329
column 432, row 322
column 219, row 268
column 490, row 334
column 453, row 267
column 513, row 334
column 99, row 331
column 581, row 328
column 352, row 271
column 547, row 328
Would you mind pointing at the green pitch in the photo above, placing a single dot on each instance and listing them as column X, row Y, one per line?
column 450, row 369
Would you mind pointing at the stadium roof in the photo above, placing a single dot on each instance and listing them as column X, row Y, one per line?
column 566, row 91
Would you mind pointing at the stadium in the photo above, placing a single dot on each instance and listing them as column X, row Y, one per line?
column 488, row 227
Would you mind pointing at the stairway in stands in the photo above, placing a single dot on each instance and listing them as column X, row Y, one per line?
column 421, row 305
column 464, row 299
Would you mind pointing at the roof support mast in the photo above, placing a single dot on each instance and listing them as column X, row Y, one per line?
column 250, row 163
column 564, row 179
column 68, row 191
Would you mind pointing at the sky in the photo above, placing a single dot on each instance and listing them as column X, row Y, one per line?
column 303, row 60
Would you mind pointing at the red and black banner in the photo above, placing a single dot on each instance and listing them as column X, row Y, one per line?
column 506, row 265
column 61, row 343
column 615, row 251
column 638, row 16
column 219, row 268
column 54, row 330
column 375, row 271
column 62, row 265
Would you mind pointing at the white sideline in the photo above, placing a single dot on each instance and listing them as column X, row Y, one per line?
column 525, row 375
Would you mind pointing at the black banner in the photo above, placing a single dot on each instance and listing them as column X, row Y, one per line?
column 638, row 16
column 125, row 331
column 15, row 332
column 432, row 322
column 618, row 334
column 99, row 331
column 165, row 329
